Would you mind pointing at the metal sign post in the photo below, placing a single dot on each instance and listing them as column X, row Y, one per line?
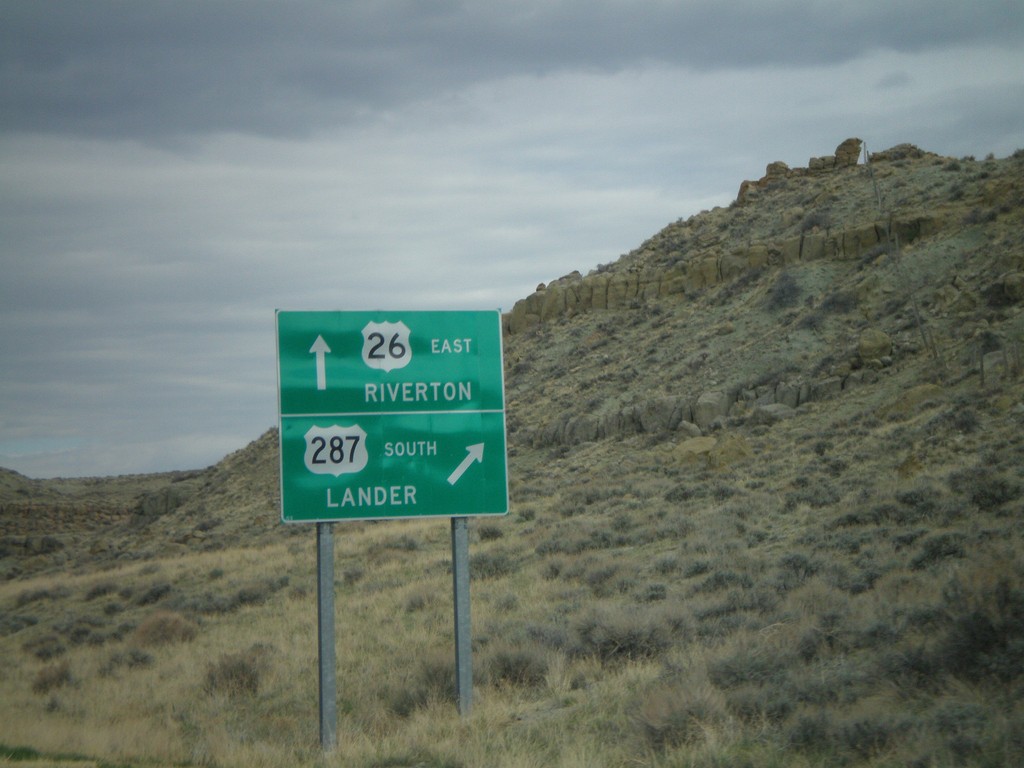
column 325, row 636
column 463, row 632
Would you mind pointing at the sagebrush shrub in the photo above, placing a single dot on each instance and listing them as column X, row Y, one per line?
column 433, row 680
column 154, row 593
column 622, row 635
column 79, row 630
column 652, row 592
column 490, row 565
column 101, row 590
column 677, row 715
column 133, row 658
column 521, row 666
column 238, row 673
column 821, row 218
column 164, row 627
column 748, row 668
column 867, row 736
column 985, row 487
column 35, row 595
column 939, row 547
column 810, row 732
column 784, row 293
column 840, row 302
column 45, row 647
column 490, row 532
column 760, row 703
column 52, row 676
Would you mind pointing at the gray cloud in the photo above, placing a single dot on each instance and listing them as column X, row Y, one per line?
column 162, row 69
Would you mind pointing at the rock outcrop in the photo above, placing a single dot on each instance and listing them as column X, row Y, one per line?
column 873, row 345
column 711, row 410
column 705, row 268
column 855, row 242
column 846, row 155
column 693, row 257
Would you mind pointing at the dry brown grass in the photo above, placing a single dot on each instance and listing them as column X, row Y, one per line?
column 806, row 629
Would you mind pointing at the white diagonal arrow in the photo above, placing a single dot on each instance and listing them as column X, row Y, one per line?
column 473, row 453
column 320, row 349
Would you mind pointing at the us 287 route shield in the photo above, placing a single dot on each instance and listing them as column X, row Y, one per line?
column 389, row 415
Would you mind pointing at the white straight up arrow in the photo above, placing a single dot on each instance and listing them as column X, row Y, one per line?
column 473, row 453
column 320, row 349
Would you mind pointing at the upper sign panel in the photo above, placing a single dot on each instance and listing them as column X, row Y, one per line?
column 389, row 362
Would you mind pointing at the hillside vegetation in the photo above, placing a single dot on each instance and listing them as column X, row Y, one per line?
column 766, row 510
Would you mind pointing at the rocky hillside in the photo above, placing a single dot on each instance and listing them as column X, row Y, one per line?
column 833, row 210
column 898, row 273
column 814, row 282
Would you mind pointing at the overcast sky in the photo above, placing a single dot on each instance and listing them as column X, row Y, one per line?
column 173, row 172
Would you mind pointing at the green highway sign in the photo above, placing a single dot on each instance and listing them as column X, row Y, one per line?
column 391, row 415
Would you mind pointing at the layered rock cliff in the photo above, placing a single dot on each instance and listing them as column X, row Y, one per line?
column 829, row 210
column 814, row 282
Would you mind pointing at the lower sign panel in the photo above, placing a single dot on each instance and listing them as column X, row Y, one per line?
column 370, row 467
